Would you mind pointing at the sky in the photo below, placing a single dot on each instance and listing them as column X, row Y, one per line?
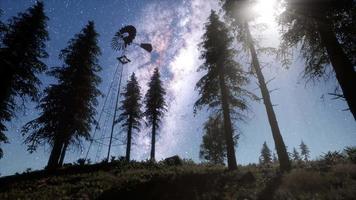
column 304, row 111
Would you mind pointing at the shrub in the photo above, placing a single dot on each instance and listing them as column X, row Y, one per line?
column 333, row 157
column 351, row 154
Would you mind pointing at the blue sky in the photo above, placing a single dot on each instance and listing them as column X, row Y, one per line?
column 175, row 29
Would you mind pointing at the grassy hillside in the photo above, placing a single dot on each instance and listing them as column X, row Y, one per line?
column 185, row 180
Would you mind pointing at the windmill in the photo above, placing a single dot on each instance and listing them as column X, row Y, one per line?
column 123, row 38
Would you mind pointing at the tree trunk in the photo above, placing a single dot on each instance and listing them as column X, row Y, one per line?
column 63, row 154
column 231, row 159
column 55, row 154
column 153, row 140
column 128, row 145
column 344, row 70
column 277, row 137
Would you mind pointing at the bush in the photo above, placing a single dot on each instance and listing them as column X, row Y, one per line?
column 351, row 154
column 302, row 184
column 333, row 157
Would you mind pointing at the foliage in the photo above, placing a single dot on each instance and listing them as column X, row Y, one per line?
column 221, row 88
column 154, row 100
column 213, row 147
column 22, row 48
column 351, row 154
column 310, row 184
column 304, row 151
column 68, row 107
column 332, row 157
column 192, row 181
column 131, row 110
column 155, row 106
column 295, row 155
column 266, row 155
column 239, row 13
column 300, row 26
column 217, row 53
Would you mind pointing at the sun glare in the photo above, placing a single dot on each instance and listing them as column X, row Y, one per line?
column 265, row 10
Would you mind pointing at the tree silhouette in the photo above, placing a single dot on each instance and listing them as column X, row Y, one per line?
column 68, row 107
column 295, row 155
column 213, row 147
column 155, row 106
column 131, row 111
column 22, row 48
column 221, row 86
column 304, row 151
column 3, row 27
column 325, row 32
column 274, row 158
column 266, row 155
column 239, row 13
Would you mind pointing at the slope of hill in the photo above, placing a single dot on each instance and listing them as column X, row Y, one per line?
column 186, row 180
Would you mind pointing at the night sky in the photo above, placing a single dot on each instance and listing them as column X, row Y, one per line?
column 305, row 111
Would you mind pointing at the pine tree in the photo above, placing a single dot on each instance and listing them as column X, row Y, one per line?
column 239, row 14
column 274, row 158
column 324, row 30
column 22, row 48
column 221, row 87
column 304, row 151
column 3, row 28
column 295, row 155
column 68, row 107
column 213, row 147
column 155, row 107
column 131, row 111
column 266, row 155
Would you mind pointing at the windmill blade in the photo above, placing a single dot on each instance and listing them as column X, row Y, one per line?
column 117, row 43
column 146, row 46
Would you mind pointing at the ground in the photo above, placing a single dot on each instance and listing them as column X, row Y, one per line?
column 185, row 180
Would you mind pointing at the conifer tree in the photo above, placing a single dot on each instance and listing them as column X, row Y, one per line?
column 131, row 111
column 324, row 30
column 68, row 107
column 3, row 28
column 266, row 155
column 274, row 158
column 22, row 48
column 295, row 155
column 238, row 12
column 155, row 107
column 221, row 88
column 213, row 147
column 304, row 151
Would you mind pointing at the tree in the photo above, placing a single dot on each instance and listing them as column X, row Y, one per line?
column 266, row 155
column 22, row 48
column 238, row 13
column 295, row 155
column 155, row 107
column 325, row 32
column 68, row 107
column 221, row 87
column 274, row 158
column 131, row 111
column 213, row 147
column 3, row 27
column 304, row 151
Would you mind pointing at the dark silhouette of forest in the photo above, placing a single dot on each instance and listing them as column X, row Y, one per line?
column 324, row 31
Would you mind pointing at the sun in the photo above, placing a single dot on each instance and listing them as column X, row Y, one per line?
column 265, row 10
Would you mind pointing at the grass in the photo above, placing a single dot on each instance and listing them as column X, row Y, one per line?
column 146, row 180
